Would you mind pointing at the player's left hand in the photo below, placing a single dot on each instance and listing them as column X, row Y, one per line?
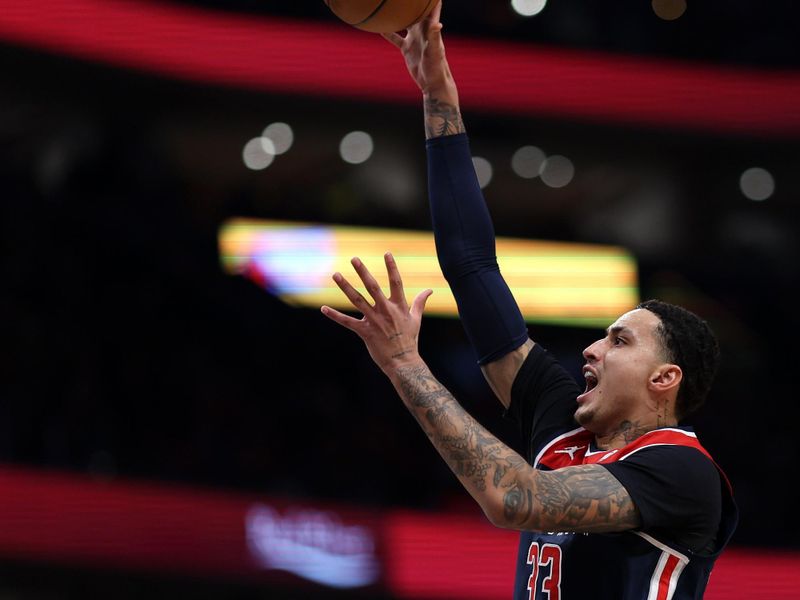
column 389, row 327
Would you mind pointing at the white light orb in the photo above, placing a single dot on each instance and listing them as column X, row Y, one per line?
column 281, row 135
column 483, row 170
column 356, row 147
column 258, row 153
column 527, row 161
column 557, row 171
column 757, row 184
column 528, row 8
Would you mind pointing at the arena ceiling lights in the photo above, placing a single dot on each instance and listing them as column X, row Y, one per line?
column 334, row 60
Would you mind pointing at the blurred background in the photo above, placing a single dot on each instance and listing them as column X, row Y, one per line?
column 171, row 429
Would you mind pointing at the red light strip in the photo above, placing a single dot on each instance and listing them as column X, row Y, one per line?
column 281, row 55
column 75, row 520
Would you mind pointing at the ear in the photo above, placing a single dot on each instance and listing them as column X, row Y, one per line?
column 666, row 377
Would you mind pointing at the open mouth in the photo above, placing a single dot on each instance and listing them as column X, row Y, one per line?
column 591, row 380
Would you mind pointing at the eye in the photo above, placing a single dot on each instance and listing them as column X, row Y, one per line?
column 617, row 341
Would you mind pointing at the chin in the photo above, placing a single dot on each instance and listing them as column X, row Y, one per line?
column 584, row 418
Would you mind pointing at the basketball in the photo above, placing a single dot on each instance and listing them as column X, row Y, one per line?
column 381, row 16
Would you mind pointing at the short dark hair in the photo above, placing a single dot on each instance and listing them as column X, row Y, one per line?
column 690, row 343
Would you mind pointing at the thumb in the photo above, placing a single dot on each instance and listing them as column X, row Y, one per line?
column 418, row 306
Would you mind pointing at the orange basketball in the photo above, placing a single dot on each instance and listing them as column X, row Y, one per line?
column 381, row 16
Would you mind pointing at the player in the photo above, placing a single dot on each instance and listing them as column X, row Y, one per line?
column 615, row 498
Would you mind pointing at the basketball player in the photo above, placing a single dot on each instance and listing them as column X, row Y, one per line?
column 616, row 499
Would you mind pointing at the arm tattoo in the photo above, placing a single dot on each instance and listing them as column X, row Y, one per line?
column 442, row 119
column 476, row 456
column 584, row 498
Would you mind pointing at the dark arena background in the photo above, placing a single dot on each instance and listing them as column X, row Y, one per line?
column 178, row 421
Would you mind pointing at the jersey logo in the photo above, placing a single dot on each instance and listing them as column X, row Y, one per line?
column 571, row 450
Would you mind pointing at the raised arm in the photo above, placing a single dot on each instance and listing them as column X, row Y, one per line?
column 462, row 226
column 511, row 493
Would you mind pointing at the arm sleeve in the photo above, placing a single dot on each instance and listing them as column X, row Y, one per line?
column 465, row 245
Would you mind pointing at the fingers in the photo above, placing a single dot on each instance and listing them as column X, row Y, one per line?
column 373, row 287
column 418, row 306
column 396, row 293
column 342, row 319
column 394, row 38
column 355, row 297
column 436, row 13
column 435, row 32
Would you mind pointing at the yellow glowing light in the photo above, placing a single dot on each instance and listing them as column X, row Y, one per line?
column 553, row 282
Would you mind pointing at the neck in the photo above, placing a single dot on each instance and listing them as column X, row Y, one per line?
column 628, row 431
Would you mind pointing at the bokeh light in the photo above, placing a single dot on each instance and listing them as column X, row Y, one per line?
column 528, row 8
column 483, row 169
column 757, row 184
column 527, row 161
column 669, row 10
column 281, row 135
column 557, row 171
column 356, row 147
column 258, row 153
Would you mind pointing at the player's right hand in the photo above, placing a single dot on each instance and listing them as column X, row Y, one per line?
column 423, row 51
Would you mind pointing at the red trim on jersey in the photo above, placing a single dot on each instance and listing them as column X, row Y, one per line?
column 574, row 448
column 663, row 437
column 666, row 576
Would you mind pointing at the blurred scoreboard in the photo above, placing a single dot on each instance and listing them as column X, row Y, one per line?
column 123, row 526
column 553, row 282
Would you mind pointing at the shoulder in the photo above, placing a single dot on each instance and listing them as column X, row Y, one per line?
column 678, row 464
column 670, row 455
column 673, row 486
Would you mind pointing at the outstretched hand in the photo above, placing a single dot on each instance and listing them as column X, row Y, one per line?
column 389, row 327
column 423, row 50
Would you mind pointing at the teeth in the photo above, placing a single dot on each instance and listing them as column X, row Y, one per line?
column 591, row 380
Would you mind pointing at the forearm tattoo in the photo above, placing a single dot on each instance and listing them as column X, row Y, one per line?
column 586, row 498
column 442, row 118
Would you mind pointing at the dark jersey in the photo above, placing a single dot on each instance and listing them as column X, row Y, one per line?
column 687, row 509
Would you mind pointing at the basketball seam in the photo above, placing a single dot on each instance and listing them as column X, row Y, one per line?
column 372, row 14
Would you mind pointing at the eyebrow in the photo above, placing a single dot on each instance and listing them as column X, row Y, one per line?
column 617, row 329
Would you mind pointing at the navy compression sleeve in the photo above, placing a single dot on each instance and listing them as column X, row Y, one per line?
column 465, row 246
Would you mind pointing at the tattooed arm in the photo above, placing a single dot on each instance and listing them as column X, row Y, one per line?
column 442, row 118
column 510, row 492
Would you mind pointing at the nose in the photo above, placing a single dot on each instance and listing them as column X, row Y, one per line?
column 592, row 352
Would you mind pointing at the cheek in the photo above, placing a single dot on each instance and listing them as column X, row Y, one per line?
column 631, row 369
